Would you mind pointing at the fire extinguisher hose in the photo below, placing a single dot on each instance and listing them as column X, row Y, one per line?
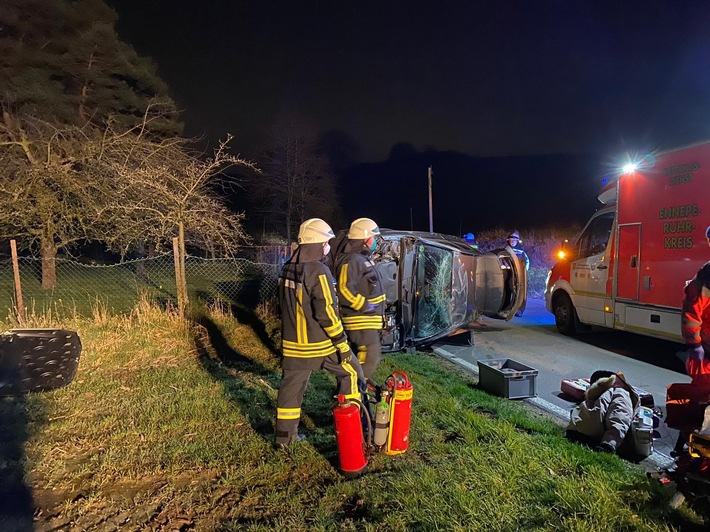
column 368, row 443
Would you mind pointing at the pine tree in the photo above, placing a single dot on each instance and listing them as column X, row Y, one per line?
column 62, row 62
column 65, row 79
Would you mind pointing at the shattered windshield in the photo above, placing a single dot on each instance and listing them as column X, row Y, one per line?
column 434, row 291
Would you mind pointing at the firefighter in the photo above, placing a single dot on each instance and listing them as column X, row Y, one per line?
column 311, row 330
column 513, row 241
column 695, row 323
column 361, row 296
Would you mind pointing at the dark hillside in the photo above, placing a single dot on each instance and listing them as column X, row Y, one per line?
column 471, row 194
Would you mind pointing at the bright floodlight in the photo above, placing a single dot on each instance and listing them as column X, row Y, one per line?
column 629, row 168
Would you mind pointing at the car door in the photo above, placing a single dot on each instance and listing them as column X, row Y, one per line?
column 499, row 284
column 590, row 270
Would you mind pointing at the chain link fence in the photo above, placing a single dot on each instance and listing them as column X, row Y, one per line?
column 82, row 286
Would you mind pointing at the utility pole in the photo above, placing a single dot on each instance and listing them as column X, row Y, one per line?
column 431, row 211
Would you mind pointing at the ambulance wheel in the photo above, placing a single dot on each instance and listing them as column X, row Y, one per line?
column 565, row 315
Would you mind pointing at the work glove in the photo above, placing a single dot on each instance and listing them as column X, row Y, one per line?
column 345, row 354
column 696, row 353
column 370, row 307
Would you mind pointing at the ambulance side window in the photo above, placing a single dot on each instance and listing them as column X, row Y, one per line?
column 596, row 237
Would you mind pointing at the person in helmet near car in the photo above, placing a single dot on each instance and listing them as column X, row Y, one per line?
column 360, row 293
column 514, row 242
column 311, row 331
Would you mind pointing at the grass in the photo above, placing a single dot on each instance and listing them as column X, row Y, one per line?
column 169, row 425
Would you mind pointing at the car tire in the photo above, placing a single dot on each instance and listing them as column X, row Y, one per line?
column 565, row 315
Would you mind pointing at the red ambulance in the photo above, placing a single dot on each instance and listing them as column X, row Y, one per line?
column 628, row 268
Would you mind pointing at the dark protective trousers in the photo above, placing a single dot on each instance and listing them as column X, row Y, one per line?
column 366, row 344
column 293, row 387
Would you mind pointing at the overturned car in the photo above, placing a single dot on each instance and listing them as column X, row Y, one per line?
column 436, row 285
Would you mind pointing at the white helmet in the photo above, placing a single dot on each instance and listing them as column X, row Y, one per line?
column 363, row 228
column 314, row 231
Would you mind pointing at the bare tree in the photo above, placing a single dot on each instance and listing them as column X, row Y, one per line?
column 62, row 186
column 163, row 190
column 51, row 187
column 296, row 183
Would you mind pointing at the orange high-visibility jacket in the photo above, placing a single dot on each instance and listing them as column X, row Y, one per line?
column 695, row 322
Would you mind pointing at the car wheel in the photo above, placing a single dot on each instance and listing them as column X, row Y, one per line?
column 565, row 315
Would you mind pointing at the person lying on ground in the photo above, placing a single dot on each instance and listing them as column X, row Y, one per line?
column 604, row 418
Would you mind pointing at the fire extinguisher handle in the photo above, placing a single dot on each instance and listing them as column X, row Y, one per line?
column 403, row 375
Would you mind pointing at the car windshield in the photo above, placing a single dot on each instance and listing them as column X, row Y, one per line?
column 434, row 291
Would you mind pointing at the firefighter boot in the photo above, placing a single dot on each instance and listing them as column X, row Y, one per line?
column 296, row 438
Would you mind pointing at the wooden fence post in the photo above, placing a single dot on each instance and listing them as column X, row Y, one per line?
column 178, row 277
column 183, row 254
column 18, row 284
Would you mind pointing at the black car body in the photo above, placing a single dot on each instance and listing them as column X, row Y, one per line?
column 436, row 285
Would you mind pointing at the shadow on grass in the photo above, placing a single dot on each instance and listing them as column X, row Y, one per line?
column 246, row 383
column 16, row 506
column 244, row 297
column 252, row 388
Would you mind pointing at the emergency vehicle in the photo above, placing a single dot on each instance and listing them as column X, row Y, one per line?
column 628, row 268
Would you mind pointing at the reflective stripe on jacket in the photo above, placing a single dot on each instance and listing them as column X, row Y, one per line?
column 520, row 252
column 361, row 296
column 695, row 321
column 310, row 326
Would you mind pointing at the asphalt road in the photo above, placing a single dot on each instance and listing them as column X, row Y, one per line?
column 533, row 340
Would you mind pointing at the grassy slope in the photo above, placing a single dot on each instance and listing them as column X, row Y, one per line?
column 158, row 432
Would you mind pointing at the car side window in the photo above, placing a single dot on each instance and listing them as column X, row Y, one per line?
column 596, row 237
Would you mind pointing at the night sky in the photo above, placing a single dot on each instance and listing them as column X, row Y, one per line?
column 484, row 79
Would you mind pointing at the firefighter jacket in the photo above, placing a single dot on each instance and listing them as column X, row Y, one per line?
column 361, row 296
column 310, row 325
column 695, row 321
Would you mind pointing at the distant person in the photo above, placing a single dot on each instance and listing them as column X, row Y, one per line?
column 360, row 293
column 470, row 239
column 695, row 323
column 284, row 256
column 311, row 331
column 514, row 242
column 604, row 418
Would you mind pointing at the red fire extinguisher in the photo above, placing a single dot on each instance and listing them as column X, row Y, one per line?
column 352, row 449
column 401, row 391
